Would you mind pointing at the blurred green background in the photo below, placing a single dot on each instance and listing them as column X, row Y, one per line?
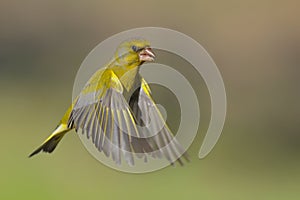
column 255, row 44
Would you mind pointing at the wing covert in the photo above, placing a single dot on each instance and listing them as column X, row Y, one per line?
column 117, row 128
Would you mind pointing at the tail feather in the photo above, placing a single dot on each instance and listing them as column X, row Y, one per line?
column 51, row 142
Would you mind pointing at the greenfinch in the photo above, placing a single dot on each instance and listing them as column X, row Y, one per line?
column 114, row 110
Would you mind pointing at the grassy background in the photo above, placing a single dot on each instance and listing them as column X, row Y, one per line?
column 256, row 47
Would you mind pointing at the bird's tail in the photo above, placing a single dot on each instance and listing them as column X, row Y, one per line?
column 51, row 142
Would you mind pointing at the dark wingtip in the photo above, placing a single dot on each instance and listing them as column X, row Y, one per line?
column 186, row 157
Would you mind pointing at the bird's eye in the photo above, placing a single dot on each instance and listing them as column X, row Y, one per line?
column 134, row 48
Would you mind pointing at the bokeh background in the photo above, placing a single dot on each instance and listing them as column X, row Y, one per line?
column 256, row 45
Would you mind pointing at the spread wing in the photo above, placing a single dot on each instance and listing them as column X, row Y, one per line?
column 115, row 128
column 159, row 136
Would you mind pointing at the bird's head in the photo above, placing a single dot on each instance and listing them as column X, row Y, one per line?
column 134, row 53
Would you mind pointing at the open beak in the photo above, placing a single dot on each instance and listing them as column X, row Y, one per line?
column 146, row 55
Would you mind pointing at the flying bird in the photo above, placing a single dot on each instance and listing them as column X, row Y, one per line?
column 116, row 111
